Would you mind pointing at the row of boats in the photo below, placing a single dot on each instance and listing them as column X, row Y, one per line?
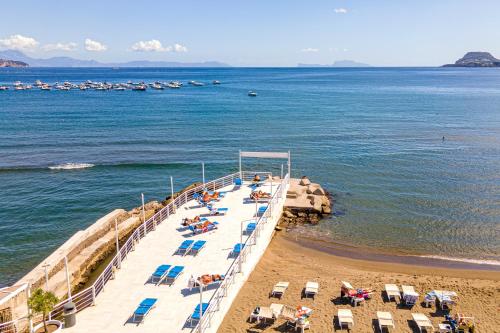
column 138, row 86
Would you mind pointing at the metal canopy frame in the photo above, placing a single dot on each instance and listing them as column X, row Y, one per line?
column 262, row 154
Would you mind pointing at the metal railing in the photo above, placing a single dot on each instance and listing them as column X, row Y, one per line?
column 15, row 326
column 221, row 292
column 87, row 296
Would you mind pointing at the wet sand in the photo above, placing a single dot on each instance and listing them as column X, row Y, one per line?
column 287, row 260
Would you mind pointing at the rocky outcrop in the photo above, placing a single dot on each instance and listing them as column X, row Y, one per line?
column 306, row 202
column 476, row 59
column 12, row 63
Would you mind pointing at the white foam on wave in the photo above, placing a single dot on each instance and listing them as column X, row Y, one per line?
column 71, row 166
column 471, row 261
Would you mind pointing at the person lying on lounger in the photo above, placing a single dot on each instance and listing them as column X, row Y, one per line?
column 186, row 222
column 256, row 195
column 205, row 279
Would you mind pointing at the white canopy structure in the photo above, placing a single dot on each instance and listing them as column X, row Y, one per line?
column 261, row 154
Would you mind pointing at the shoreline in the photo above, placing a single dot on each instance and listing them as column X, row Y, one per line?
column 287, row 260
column 374, row 255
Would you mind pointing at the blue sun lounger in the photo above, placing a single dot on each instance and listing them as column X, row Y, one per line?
column 262, row 210
column 143, row 309
column 250, row 228
column 237, row 184
column 160, row 273
column 195, row 316
column 185, row 247
column 197, row 246
column 173, row 274
column 237, row 249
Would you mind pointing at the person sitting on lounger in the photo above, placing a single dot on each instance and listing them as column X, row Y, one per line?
column 186, row 222
column 256, row 178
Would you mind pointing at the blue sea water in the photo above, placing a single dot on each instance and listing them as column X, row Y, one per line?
column 372, row 137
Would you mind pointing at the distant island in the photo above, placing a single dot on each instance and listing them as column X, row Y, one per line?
column 476, row 59
column 18, row 56
column 340, row 63
column 12, row 63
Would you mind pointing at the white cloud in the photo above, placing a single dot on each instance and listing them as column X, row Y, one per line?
column 155, row 45
column 19, row 42
column 60, row 46
column 309, row 50
column 180, row 48
column 340, row 10
column 92, row 45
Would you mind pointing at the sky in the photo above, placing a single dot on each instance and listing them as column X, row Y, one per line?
column 254, row 33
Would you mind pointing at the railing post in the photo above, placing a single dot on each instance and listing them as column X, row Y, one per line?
column 93, row 294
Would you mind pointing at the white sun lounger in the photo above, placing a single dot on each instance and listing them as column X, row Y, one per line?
column 311, row 289
column 385, row 320
column 345, row 318
column 392, row 292
column 279, row 289
column 409, row 295
column 423, row 322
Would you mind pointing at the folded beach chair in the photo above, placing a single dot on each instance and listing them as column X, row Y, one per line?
column 392, row 292
column 160, row 273
column 143, row 309
column 409, row 295
column 250, row 228
column 279, row 289
column 311, row 289
column 385, row 320
column 195, row 316
column 185, row 247
column 423, row 322
column 237, row 249
column 173, row 274
column 217, row 211
column 345, row 318
column 197, row 247
column 237, row 184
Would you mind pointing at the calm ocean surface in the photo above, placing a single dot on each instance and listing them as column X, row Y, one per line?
column 372, row 137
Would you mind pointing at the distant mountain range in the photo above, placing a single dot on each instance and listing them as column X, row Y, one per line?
column 476, row 59
column 340, row 63
column 72, row 62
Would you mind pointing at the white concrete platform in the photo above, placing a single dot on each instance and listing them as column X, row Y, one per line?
column 116, row 304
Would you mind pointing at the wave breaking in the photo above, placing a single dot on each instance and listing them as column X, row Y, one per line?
column 71, row 166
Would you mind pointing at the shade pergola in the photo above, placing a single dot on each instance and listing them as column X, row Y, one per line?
column 261, row 154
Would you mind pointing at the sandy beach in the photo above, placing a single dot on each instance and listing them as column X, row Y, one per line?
column 285, row 260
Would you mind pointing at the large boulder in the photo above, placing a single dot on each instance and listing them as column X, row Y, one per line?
column 304, row 181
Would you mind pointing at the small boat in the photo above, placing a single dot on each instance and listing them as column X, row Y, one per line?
column 196, row 84
column 4, row 88
column 17, row 83
column 45, row 87
column 120, row 88
column 173, row 85
column 18, row 87
column 215, row 82
column 157, row 86
column 252, row 94
column 140, row 87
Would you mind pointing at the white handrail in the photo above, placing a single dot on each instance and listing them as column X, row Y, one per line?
column 221, row 291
